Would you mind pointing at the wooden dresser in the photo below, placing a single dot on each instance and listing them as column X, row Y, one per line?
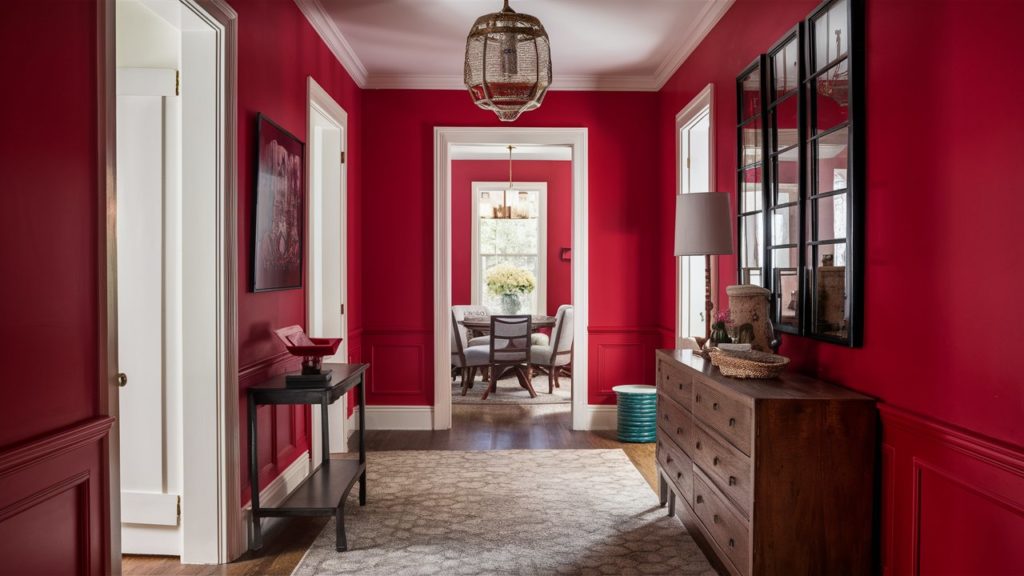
column 773, row 476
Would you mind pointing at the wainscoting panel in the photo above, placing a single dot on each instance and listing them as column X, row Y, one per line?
column 400, row 367
column 54, row 493
column 284, row 430
column 953, row 501
column 620, row 355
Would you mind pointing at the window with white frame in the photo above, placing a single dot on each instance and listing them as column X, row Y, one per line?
column 694, row 148
column 509, row 227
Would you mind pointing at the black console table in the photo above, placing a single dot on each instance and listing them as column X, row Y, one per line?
column 324, row 492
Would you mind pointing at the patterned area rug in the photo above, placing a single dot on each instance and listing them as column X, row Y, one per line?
column 507, row 512
column 510, row 392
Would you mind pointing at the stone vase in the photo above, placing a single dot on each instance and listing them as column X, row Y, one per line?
column 510, row 304
column 748, row 307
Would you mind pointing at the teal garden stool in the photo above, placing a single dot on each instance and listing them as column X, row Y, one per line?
column 638, row 412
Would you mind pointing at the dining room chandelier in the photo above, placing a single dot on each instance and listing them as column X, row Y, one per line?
column 507, row 207
column 508, row 63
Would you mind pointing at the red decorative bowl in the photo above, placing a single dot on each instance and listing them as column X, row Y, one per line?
column 312, row 350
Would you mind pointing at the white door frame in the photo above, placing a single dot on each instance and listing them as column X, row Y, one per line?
column 541, row 188
column 319, row 101
column 217, row 471
column 444, row 139
column 705, row 99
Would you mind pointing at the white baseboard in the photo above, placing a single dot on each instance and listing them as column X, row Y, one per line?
column 279, row 489
column 396, row 418
column 150, row 539
column 600, row 417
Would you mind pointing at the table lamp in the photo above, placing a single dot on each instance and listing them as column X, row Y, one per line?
column 704, row 228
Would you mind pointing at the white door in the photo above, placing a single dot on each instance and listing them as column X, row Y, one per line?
column 327, row 281
column 694, row 176
column 150, row 480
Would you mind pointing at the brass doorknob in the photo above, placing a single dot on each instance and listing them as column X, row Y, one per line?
column 122, row 379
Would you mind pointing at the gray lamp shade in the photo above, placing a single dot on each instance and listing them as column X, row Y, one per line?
column 703, row 224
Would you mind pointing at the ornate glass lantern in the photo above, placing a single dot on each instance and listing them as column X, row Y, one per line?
column 508, row 63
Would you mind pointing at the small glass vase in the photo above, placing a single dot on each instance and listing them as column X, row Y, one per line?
column 719, row 335
column 510, row 304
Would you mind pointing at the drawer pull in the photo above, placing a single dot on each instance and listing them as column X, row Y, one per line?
column 698, row 444
column 715, row 461
column 664, row 416
column 700, row 499
column 732, row 480
column 732, row 543
column 679, row 475
column 679, row 431
column 732, row 422
column 668, row 459
column 680, row 385
column 714, row 406
column 697, row 398
column 717, row 519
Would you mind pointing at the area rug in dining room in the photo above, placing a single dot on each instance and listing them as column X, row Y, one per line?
column 506, row 512
column 510, row 392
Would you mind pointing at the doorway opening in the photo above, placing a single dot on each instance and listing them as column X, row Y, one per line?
column 172, row 283
column 510, row 239
column 695, row 169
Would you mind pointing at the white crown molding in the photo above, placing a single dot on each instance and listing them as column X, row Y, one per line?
column 702, row 25
column 342, row 50
column 328, row 31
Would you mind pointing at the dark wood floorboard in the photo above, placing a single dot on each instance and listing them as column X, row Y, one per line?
column 474, row 427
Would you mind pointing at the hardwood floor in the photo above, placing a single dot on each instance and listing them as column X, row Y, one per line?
column 497, row 427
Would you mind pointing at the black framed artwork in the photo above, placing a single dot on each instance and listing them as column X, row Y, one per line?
column 277, row 212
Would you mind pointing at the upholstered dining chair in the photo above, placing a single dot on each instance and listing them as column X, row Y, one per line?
column 467, row 359
column 510, row 348
column 558, row 356
column 462, row 312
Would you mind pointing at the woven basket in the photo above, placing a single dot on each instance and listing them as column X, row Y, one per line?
column 752, row 364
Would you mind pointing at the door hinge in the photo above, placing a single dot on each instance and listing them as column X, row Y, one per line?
column 687, row 161
column 179, row 507
column 177, row 82
column 342, row 308
column 342, row 156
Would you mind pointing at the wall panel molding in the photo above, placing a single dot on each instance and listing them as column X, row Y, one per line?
column 950, row 498
column 52, row 445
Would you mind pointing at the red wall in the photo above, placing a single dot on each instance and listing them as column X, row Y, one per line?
column 398, row 235
column 558, row 175
column 277, row 50
column 53, row 508
column 943, row 262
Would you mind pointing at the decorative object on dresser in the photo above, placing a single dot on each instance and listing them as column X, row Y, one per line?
column 748, row 364
column 775, row 476
column 748, row 305
column 312, row 352
column 704, row 228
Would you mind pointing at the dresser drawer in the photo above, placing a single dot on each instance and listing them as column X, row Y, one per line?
column 730, row 532
column 676, row 422
column 675, row 382
column 723, row 413
column 728, row 468
column 677, row 466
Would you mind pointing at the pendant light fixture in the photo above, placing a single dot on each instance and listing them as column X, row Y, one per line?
column 508, row 63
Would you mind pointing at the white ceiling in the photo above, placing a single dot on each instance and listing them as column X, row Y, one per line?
column 595, row 44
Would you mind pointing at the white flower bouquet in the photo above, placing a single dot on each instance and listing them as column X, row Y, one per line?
column 508, row 279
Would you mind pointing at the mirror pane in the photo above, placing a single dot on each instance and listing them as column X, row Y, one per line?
column 831, row 217
column 752, row 240
column 831, row 35
column 750, row 87
column 786, row 286
column 751, row 142
column 785, row 121
column 787, row 177
column 751, row 199
column 786, row 67
column 832, row 97
column 831, row 306
column 833, row 161
column 785, row 226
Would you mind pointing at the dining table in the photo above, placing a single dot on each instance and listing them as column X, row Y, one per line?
column 482, row 324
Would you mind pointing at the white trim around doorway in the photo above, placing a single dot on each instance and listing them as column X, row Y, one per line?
column 444, row 139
